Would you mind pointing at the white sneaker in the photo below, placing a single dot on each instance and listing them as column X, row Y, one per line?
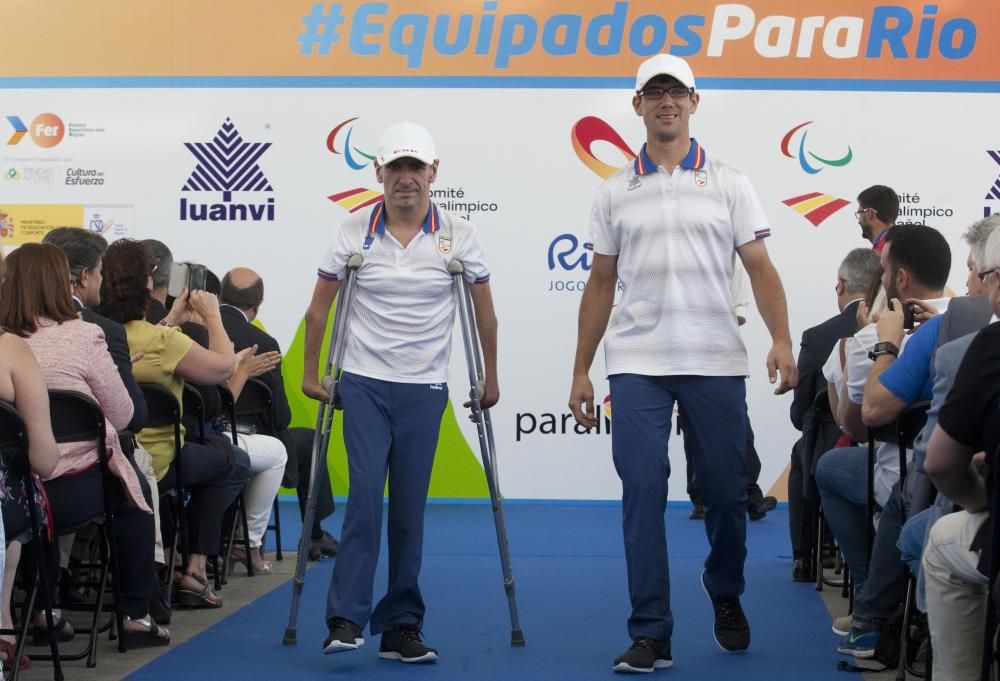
column 842, row 625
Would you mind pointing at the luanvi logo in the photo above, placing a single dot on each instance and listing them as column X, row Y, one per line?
column 227, row 164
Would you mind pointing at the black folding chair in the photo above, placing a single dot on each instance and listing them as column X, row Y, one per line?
column 903, row 433
column 163, row 411
column 14, row 460
column 78, row 418
column 255, row 406
column 240, row 509
column 820, row 435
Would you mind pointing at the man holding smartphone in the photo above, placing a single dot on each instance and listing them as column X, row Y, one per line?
column 670, row 226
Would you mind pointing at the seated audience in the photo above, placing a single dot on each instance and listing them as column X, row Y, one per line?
column 36, row 304
column 168, row 358
column 966, row 436
column 853, row 277
column 22, row 384
column 241, row 298
column 916, row 262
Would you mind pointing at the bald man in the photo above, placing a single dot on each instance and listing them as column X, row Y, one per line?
column 240, row 301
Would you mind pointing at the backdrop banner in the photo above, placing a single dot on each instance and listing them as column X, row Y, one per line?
column 240, row 133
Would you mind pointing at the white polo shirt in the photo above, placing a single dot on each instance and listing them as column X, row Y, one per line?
column 403, row 311
column 675, row 236
column 858, row 366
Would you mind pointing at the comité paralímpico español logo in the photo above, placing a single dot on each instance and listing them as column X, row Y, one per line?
column 814, row 206
column 351, row 200
column 227, row 164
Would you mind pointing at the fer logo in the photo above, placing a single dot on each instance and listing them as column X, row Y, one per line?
column 804, row 162
column 46, row 130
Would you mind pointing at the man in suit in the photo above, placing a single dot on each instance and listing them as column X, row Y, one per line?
column 853, row 277
column 84, row 251
column 241, row 298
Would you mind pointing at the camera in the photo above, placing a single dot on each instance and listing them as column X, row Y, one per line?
column 186, row 275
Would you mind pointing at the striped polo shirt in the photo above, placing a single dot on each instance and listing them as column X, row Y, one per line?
column 404, row 311
column 675, row 236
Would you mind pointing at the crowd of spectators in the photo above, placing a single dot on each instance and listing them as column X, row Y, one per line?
column 900, row 344
column 78, row 314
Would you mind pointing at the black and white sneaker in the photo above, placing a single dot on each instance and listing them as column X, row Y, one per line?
column 403, row 642
column 645, row 655
column 344, row 636
column 732, row 631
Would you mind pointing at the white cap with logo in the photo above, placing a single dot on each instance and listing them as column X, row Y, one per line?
column 664, row 65
column 405, row 139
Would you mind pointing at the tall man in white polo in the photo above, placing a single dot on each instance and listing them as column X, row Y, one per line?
column 669, row 226
column 394, row 384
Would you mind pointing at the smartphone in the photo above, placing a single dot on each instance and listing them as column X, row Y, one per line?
column 197, row 277
column 908, row 316
column 178, row 279
column 186, row 275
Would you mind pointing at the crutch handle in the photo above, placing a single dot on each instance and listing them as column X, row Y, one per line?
column 328, row 382
column 478, row 390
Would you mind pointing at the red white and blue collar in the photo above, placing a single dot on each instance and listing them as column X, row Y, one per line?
column 879, row 244
column 695, row 159
column 376, row 221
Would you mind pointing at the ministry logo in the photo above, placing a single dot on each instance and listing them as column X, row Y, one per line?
column 227, row 164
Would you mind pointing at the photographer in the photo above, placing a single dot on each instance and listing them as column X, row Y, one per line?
column 916, row 261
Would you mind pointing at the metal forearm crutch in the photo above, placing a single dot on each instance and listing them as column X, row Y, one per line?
column 484, row 427
column 321, row 439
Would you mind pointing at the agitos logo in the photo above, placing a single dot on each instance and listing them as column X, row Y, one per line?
column 349, row 151
column 47, row 130
column 351, row 200
column 814, row 206
column 803, row 154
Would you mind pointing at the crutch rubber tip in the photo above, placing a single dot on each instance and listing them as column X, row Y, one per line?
column 290, row 638
column 516, row 637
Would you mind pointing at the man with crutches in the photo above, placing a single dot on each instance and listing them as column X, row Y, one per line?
column 392, row 381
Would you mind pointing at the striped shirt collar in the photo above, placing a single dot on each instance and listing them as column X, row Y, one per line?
column 695, row 159
column 376, row 221
column 879, row 242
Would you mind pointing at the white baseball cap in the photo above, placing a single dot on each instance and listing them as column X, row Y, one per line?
column 664, row 65
column 405, row 139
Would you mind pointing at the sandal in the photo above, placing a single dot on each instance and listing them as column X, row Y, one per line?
column 40, row 632
column 206, row 598
column 150, row 635
column 260, row 566
column 8, row 649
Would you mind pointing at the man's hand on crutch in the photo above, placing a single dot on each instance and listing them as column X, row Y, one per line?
column 316, row 317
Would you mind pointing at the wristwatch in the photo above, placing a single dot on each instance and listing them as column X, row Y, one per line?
column 883, row 348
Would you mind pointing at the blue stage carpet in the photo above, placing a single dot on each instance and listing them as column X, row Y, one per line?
column 570, row 573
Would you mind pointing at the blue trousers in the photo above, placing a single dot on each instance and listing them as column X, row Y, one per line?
column 842, row 478
column 715, row 409
column 389, row 429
